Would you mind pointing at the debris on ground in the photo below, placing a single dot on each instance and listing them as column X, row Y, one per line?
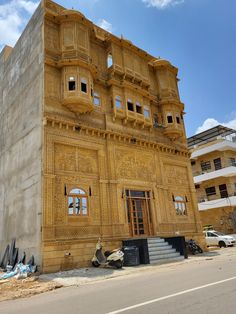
column 19, row 278
column 13, row 288
column 15, row 267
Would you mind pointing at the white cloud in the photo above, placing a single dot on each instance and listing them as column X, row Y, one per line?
column 161, row 4
column 13, row 18
column 210, row 123
column 105, row 25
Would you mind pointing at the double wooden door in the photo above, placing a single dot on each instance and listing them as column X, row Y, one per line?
column 139, row 216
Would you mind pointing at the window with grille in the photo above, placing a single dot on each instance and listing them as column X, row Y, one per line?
column 205, row 165
column 180, row 205
column 77, row 201
column 232, row 161
column 217, row 163
column 210, row 191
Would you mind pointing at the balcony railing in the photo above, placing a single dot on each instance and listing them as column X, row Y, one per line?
column 229, row 164
column 212, row 197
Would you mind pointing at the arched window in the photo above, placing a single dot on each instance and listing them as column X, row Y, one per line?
column 180, row 205
column 109, row 60
column 77, row 201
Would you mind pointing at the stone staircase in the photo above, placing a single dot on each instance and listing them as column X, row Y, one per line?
column 161, row 252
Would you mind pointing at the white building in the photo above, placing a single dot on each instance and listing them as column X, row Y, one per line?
column 213, row 160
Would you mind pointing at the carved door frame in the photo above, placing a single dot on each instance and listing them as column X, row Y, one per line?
column 139, row 213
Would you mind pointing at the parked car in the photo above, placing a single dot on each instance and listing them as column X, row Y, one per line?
column 218, row 238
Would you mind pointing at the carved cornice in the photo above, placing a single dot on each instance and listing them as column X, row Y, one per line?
column 112, row 135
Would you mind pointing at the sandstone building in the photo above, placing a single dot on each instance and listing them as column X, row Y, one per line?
column 92, row 142
column 213, row 162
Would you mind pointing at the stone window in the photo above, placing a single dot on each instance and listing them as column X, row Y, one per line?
column 109, row 60
column 71, row 83
column 146, row 112
column 83, row 85
column 77, row 201
column 118, row 102
column 96, row 99
column 180, row 205
column 139, row 108
column 177, row 119
column 130, row 105
column 169, row 118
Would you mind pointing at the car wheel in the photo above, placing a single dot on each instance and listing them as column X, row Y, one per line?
column 222, row 244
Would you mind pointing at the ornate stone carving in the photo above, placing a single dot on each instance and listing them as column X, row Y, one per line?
column 176, row 175
column 135, row 165
column 65, row 157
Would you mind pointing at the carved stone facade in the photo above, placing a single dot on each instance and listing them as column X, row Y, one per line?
column 113, row 132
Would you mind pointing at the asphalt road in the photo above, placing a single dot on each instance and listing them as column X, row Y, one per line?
column 202, row 287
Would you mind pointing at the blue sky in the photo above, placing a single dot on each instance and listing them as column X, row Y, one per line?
column 197, row 36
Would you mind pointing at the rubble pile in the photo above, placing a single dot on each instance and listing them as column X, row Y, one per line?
column 12, row 266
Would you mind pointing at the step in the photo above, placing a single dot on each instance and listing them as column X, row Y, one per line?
column 155, row 240
column 158, row 244
column 161, row 252
column 163, row 256
column 161, row 246
column 167, row 260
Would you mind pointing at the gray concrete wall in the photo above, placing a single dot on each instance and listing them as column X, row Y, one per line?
column 21, row 101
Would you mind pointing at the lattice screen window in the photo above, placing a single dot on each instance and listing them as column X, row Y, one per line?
column 77, row 201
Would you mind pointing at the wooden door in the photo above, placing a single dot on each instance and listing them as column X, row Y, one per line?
column 138, row 217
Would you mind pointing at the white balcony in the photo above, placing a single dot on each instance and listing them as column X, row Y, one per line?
column 224, row 172
column 217, row 203
column 220, row 146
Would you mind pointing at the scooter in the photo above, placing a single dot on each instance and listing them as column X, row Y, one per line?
column 193, row 247
column 113, row 258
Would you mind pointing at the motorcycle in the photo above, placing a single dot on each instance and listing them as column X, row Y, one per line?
column 114, row 258
column 193, row 247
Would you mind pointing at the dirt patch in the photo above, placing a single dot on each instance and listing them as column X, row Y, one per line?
column 19, row 288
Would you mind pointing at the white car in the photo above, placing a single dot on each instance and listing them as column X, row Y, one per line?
column 218, row 238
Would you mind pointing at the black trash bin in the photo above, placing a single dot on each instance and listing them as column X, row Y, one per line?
column 131, row 256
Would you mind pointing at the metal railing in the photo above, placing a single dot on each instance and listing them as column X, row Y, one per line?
column 219, row 195
column 226, row 165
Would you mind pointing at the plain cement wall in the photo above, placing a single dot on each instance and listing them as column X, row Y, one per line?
column 21, row 101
